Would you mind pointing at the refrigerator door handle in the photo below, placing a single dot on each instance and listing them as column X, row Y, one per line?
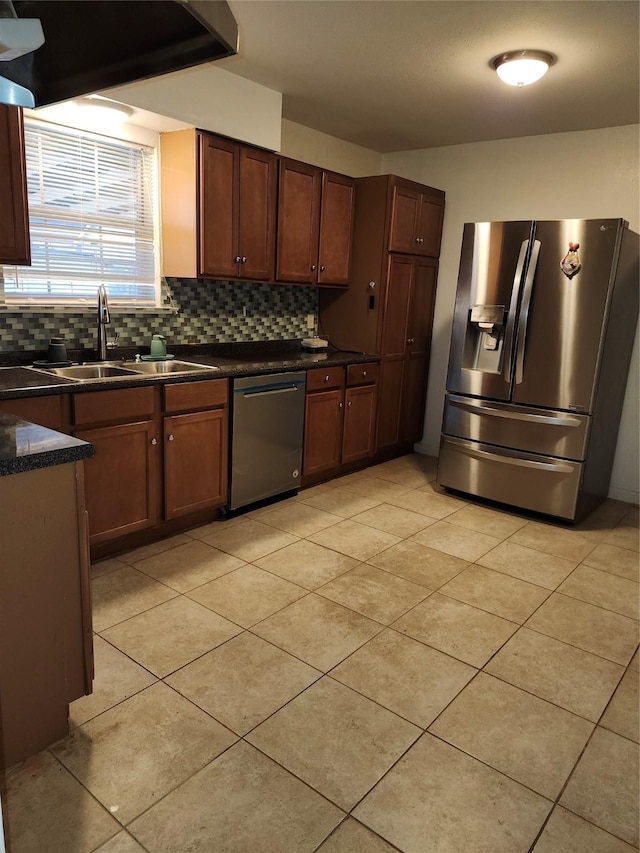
column 482, row 409
column 515, row 293
column 472, row 451
column 524, row 311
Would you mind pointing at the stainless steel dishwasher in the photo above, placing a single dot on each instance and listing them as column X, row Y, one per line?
column 266, row 437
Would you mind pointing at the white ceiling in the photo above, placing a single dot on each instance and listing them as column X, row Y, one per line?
column 393, row 75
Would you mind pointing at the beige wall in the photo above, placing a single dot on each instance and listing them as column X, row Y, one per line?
column 567, row 175
column 212, row 99
column 311, row 146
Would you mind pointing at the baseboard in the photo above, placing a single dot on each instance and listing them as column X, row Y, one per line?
column 626, row 495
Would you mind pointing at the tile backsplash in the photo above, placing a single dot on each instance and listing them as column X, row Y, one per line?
column 204, row 311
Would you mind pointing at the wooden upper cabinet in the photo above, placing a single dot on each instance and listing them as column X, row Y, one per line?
column 337, row 210
column 315, row 225
column 298, row 222
column 218, row 207
column 236, row 209
column 416, row 221
column 15, row 247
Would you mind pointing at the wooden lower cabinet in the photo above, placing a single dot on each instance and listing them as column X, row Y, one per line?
column 339, row 422
column 195, row 470
column 121, row 480
column 161, row 453
column 322, row 432
column 359, row 423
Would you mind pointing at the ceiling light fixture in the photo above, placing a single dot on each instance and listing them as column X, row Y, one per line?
column 522, row 67
column 103, row 110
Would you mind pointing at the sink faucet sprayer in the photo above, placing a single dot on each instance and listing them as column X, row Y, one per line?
column 103, row 319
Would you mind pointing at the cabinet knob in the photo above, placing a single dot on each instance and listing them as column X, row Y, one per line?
column 313, row 267
column 419, row 240
column 238, row 259
column 364, row 373
column 243, row 260
column 154, row 441
column 340, row 405
column 349, row 404
column 171, row 436
column 411, row 340
column 322, row 268
column 326, row 378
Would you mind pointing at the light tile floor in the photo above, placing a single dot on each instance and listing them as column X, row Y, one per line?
column 371, row 666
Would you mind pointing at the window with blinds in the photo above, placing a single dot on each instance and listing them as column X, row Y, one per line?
column 91, row 217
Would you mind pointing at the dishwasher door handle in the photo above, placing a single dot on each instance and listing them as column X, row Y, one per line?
column 281, row 390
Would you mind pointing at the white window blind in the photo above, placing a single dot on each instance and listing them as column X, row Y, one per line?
column 91, row 216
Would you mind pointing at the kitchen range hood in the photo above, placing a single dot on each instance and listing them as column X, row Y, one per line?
column 91, row 45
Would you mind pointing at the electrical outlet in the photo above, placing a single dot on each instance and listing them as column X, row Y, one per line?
column 311, row 321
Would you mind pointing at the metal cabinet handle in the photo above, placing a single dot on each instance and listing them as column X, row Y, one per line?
column 322, row 268
column 313, row 266
column 326, row 378
column 154, row 441
column 411, row 340
column 419, row 240
column 238, row 259
column 340, row 405
column 243, row 260
column 171, row 436
column 349, row 404
column 364, row 373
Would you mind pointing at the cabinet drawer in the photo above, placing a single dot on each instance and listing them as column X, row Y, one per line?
column 49, row 412
column 362, row 374
column 125, row 404
column 323, row 378
column 187, row 396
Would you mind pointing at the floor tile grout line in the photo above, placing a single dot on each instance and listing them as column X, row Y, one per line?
column 389, row 627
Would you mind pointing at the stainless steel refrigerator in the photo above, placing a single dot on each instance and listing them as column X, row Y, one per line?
column 543, row 330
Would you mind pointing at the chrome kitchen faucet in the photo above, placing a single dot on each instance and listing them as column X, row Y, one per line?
column 103, row 319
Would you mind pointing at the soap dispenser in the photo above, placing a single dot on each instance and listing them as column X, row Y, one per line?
column 158, row 347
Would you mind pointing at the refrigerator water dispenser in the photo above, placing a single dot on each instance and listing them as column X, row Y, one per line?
column 484, row 337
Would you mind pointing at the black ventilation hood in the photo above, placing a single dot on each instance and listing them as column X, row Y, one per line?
column 97, row 44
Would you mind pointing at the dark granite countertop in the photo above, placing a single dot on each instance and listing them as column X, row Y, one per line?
column 229, row 360
column 25, row 446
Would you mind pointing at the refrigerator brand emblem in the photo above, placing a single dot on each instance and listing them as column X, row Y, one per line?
column 570, row 264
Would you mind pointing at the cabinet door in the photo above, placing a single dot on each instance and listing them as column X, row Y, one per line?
column 405, row 211
column 429, row 229
column 195, row 462
column 298, row 222
column 420, row 324
column 359, row 423
column 394, row 348
column 218, row 207
column 336, row 229
column 257, row 213
column 15, row 247
column 121, row 480
column 322, row 432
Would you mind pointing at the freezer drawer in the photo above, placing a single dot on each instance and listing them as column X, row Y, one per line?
column 525, row 480
column 545, row 431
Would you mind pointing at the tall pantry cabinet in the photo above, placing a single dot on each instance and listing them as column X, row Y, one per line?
column 388, row 308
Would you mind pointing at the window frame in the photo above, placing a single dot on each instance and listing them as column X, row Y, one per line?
column 72, row 302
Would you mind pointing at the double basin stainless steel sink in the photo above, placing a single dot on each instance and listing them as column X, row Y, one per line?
column 123, row 369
